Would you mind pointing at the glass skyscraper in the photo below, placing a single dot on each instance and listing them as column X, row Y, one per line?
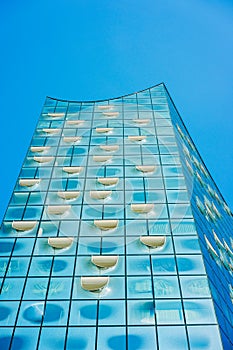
column 116, row 237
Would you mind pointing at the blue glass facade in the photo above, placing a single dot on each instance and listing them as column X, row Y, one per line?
column 115, row 237
column 213, row 220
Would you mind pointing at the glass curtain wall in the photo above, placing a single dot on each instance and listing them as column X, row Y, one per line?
column 104, row 244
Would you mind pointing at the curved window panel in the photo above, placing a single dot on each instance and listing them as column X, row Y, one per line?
column 153, row 241
column 217, row 240
column 29, row 182
column 104, row 261
column 211, row 249
column 58, row 209
column 106, row 224
column 104, row 229
column 228, row 249
column 60, row 242
column 94, row 284
column 24, row 225
column 146, row 168
column 142, row 208
column 200, row 205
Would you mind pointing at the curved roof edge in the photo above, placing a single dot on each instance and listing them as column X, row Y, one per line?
column 106, row 99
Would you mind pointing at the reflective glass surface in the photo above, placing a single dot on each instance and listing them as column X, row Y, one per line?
column 103, row 245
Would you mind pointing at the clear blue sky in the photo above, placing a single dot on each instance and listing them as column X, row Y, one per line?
column 87, row 49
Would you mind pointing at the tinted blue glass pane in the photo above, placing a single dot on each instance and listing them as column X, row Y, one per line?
column 25, row 338
column 169, row 312
column 164, row 265
column 166, row 287
column 18, row 267
column 12, row 289
column 141, row 313
column 140, row 338
column 112, row 313
column 81, row 338
column 185, row 245
column 49, row 341
column 172, row 338
column 83, row 313
column 111, row 338
column 190, row 264
column 199, row 311
column 138, row 265
column 36, row 288
column 204, row 338
column 139, row 288
column 5, row 337
column 194, row 286
column 8, row 312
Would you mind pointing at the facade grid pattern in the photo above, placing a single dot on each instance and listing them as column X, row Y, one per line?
column 159, row 296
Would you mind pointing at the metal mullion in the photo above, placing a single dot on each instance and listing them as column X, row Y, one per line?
column 35, row 240
column 150, row 259
column 46, row 196
column 169, row 219
column 72, row 155
column 76, row 251
column 53, row 257
column 55, row 156
column 125, row 241
column 8, row 264
column 22, row 294
column 46, row 299
column 153, row 289
column 151, row 267
column 84, row 187
column 139, row 129
column 101, row 242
